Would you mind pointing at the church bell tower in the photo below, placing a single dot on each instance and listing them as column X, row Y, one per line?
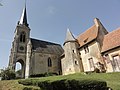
column 19, row 44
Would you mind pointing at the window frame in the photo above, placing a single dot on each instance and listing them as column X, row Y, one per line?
column 91, row 63
column 86, row 49
column 22, row 37
column 49, row 62
column 116, row 62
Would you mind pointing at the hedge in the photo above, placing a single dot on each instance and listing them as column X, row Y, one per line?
column 43, row 75
column 73, row 85
column 68, row 84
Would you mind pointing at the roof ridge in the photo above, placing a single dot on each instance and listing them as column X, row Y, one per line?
column 87, row 36
column 111, row 40
column 45, row 41
column 86, row 30
column 113, row 31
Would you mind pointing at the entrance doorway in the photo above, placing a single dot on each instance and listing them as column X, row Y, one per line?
column 20, row 69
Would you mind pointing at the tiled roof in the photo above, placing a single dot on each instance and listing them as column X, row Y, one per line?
column 46, row 47
column 111, row 40
column 88, row 35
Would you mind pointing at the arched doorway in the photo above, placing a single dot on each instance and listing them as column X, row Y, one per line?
column 20, row 68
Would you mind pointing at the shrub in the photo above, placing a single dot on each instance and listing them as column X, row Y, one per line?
column 73, row 85
column 45, row 85
column 96, row 70
column 37, row 75
column 27, row 88
column 25, row 82
column 18, row 74
column 50, row 74
column 44, row 75
column 8, row 74
column 66, row 84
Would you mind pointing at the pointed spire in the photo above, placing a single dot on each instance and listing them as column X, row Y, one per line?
column 23, row 19
column 69, row 36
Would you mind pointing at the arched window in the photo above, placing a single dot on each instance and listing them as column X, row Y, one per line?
column 22, row 37
column 49, row 62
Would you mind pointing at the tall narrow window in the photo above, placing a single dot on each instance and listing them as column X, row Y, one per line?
column 91, row 64
column 76, row 62
column 73, row 51
column 86, row 49
column 116, row 63
column 22, row 37
column 49, row 62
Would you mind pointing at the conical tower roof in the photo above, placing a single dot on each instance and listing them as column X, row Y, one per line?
column 23, row 19
column 69, row 36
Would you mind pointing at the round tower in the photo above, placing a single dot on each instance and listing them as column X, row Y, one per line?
column 71, row 62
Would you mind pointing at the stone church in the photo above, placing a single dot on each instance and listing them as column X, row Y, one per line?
column 96, row 48
column 35, row 56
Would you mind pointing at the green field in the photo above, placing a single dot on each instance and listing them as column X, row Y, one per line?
column 112, row 79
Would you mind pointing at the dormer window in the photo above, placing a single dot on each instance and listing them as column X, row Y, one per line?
column 22, row 37
column 85, row 40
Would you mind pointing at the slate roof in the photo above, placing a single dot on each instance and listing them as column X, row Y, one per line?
column 111, row 40
column 69, row 36
column 46, row 47
column 23, row 19
column 88, row 36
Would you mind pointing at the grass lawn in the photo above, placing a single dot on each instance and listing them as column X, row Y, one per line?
column 112, row 79
column 13, row 85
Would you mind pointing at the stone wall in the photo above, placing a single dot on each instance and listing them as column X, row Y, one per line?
column 71, row 61
column 93, row 53
column 109, row 58
column 39, row 63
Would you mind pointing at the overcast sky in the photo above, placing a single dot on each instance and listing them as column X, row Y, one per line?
column 49, row 19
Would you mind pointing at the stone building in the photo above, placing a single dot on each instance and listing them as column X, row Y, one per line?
column 111, row 51
column 35, row 56
column 70, row 59
column 94, row 48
